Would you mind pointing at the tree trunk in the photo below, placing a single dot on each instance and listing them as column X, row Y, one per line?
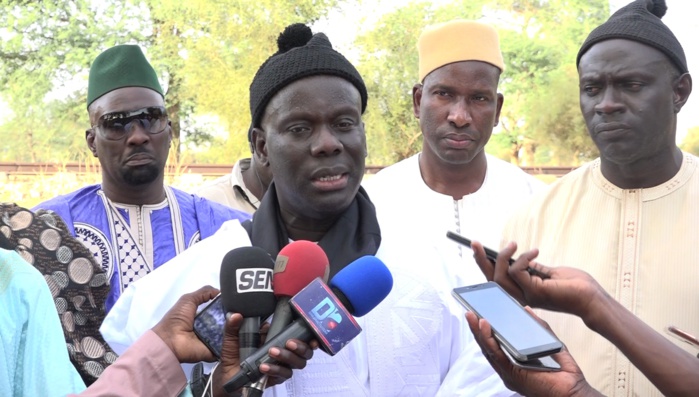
column 174, row 106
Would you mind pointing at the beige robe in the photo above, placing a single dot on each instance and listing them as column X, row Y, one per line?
column 642, row 246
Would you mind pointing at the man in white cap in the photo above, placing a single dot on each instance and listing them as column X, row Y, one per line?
column 452, row 184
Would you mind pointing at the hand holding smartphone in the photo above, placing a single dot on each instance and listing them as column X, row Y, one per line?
column 209, row 325
column 683, row 336
column 492, row 255
column 544, row 364
column 520, row 335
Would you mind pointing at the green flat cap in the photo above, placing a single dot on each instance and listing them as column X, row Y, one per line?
column 118, row 67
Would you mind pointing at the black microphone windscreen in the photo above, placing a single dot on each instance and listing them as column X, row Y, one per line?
column 246, row 282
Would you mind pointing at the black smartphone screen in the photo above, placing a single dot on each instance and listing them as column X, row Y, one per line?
column 209, row 323
column 492, row 255
column 516, row 329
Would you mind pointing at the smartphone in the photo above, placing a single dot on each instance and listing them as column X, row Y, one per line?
column 492, row 255
column 682, row 335
column 209, row 323
column 544, row 364
column 517, row 331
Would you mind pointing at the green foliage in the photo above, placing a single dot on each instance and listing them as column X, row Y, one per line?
column 541, row 117
column 539, row 39
column 45, row 46
column 690, row 143
column 206, row 52
column 210, row 51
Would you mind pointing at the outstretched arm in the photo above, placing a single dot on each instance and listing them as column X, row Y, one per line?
column 672, row 370
column 151, row 365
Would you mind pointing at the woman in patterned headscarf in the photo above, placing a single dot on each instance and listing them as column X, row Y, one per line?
column 77, row 285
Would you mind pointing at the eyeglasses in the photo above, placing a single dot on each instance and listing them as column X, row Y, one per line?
column 115, row 126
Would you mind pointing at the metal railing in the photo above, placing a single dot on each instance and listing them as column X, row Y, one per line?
column 202, row 169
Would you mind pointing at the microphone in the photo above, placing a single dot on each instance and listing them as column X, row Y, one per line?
column 246, row 288
column 297, row 265
column 325, row 316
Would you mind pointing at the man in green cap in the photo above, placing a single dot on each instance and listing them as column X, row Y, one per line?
column 132, row 222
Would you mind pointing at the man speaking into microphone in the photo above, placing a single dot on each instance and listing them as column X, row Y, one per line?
column 306, row 104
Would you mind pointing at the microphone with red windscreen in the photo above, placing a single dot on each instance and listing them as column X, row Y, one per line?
column 325, row 313
column 297, row 265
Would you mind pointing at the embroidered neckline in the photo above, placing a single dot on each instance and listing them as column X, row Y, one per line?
column 115, row 218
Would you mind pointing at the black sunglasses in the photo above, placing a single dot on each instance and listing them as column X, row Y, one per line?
column 115, row 126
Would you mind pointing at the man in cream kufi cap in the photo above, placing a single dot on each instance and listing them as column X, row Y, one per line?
column 457, row 41
column 452, row 181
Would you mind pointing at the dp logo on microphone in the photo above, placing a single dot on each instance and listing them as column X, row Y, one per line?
column 326, row 314
column 327, row 317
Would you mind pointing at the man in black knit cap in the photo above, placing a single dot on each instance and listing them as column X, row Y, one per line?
column 318, row 200
column 629, row 219
column 306, row 105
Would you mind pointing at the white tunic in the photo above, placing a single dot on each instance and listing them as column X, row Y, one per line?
column 414, row 217
column 414, row 220
column 407, row 345
column 230, row 190
column 415, row 343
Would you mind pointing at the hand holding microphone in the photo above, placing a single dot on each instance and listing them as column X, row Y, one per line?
column 246, row 288
column 325, row 315
column 297, row 265
column 291, row 356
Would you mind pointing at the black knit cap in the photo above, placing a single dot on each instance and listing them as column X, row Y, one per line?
column 640, row 21
column 301, row 54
